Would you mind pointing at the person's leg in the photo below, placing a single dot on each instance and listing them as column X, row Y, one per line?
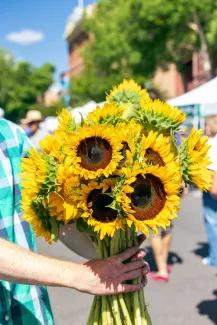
column 210, row 219
column 166, row 244
column 159, row 255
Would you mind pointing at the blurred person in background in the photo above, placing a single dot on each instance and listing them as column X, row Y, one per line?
column 183, row 132
column 210, row 198
column 32, row 127
column 160, row 245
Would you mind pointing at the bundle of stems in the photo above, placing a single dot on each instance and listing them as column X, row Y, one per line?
column 124, row 308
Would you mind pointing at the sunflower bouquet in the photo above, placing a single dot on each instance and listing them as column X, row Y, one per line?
column 116, row 173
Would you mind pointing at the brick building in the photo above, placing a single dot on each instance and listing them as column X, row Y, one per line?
column 76, row 38
column 171, row 81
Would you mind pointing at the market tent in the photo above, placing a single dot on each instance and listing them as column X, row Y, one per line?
column 84, row 110
column 51, row 122
column 204, row 97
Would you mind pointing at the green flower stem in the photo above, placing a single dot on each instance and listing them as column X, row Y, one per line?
column 114, row 243
column 142, row 307
column 109, row 313
column 149, row 322
column 121, row 309
column 127, row 320
column 105, row 249
column 96, row 244
column 116, row 310
column 104, row 310
column 92, row 311
column 143, row 311
column 96, row 317
column 107, row 241
column 136, row 307
column 136, row 302
column 127, row 299
column 125, row 235
column 100, row 249
column 129, row 237
column 114, row 298
column 124, row 300
column 111, row 307
column 100, row 318
column 123, row 242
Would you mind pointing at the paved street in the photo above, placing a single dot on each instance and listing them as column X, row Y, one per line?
column 189, row 298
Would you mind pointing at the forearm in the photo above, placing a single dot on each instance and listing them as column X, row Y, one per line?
column 18, row 265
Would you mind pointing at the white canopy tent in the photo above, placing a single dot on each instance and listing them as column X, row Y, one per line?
column 204, row 97
column 50, row 123
column 84, row 110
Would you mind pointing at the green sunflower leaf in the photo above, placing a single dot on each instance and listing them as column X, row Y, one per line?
column 54, row 229
column 82, row 226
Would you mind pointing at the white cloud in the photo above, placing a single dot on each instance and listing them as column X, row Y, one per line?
column 25, row 37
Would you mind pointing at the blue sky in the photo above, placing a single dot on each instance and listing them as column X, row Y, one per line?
column 40, row 25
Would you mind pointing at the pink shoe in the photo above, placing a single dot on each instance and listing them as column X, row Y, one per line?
column 158, row 278
column 169, row 268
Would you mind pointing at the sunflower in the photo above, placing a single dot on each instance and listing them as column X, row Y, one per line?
column 34, row 173
column 195, row 162
column 127, row 91
column 110, row 113
column 66, row 125
column 156, row 149
column 33, row 219
column 42, row 223
column 65, row 173
column 150, row 197
column 95, row 151
column 94, row 202
column 64, row 209
column 157, row 115
column 52, row 145
column 128, row 138
column 62, row 203
column 131, row 127
column 128, row 94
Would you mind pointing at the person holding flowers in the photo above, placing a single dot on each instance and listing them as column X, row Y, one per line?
column 117, row 173
column 24, row 273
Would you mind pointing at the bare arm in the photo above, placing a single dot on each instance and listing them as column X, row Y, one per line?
column 18, row 265
column 213, row 190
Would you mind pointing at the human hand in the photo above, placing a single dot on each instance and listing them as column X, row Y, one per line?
column 106, row 277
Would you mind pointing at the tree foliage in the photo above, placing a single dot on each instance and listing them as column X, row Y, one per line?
column 21, row 85
column 131, row 39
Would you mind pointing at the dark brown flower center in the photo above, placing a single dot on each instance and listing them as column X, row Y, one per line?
column 148, row 198
column 95, row 153
column 153, row 158
column 100, row 202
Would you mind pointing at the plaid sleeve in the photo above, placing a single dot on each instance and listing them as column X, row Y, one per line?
column 19, row 304
column 24, row 142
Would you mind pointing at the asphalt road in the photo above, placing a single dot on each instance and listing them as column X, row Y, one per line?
column 189, row 298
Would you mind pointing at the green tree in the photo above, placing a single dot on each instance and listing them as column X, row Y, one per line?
column 21, row 85
column 131, row 39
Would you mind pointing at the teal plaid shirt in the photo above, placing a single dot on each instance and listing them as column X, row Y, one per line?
column 19, row 304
